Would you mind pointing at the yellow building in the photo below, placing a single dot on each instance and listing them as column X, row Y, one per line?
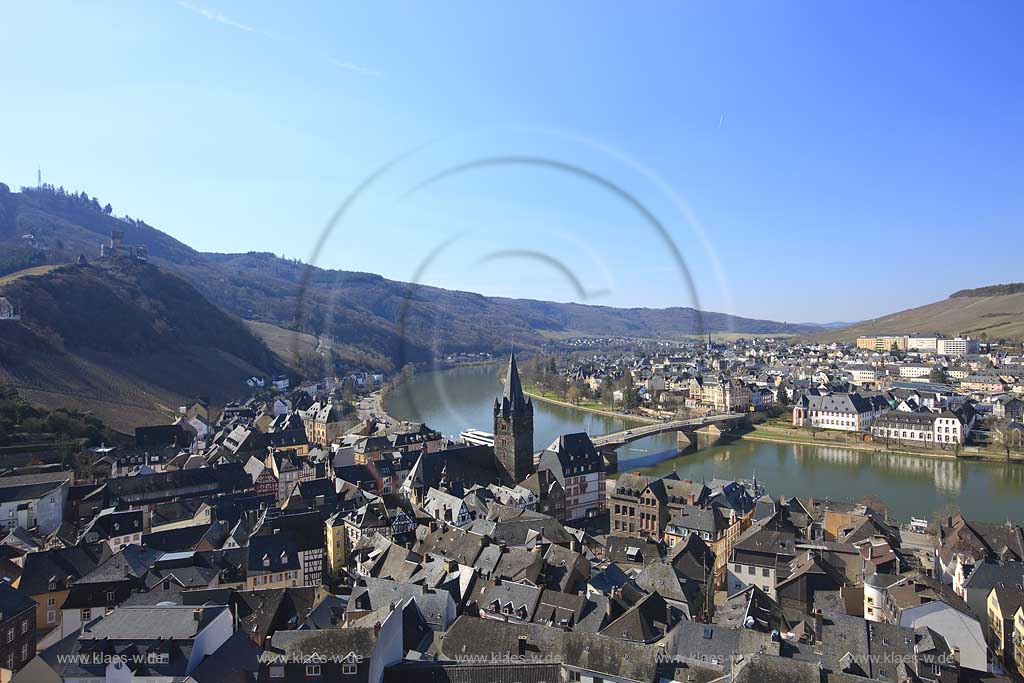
column 335, row 526
column 323, row 423
column 883, row 342
column 1018, row 638
column 1003, row 610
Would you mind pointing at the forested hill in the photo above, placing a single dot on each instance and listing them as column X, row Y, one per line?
column 387, row 321
column 125, row 339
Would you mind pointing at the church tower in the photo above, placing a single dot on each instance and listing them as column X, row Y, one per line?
column 513, row 427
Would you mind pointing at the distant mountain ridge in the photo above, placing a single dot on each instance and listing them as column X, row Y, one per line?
column 392, row 322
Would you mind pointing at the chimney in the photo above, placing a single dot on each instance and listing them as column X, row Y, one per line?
column 668, row 616
column 376, row 629
column 522, row 646
column 197, row 614
column 819, row 622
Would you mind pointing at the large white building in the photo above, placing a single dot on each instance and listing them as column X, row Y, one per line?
column 958, row 346
column 864, row 374
column 844, row 412
column 945, row 428
column 914, row 370
column 34, row 500
column 923, row 343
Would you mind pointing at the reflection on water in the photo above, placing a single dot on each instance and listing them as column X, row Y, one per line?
column 454, row 400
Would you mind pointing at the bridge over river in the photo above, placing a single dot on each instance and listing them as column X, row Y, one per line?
column 724, row 421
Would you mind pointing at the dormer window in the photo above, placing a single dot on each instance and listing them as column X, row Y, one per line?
column 266, row 560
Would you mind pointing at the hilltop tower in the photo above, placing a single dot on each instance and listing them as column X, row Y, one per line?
column 513, row 427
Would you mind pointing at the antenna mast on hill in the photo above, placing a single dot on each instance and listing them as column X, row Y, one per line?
column 39, row 177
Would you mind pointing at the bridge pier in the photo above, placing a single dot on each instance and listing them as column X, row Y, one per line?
column 611, row 459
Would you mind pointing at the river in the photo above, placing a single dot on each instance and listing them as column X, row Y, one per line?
column 453, row 400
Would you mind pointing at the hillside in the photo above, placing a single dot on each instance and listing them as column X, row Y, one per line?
column 365, row 316
column 124, row 339
column 973, row 312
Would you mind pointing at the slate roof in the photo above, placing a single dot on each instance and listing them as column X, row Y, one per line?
column 132, row 562
column 631, row 550
column 336, row 642
column 449, row 672
column 713, row 644
column 30, row 486
column 472, row 636
column 513, row 526
column 571, row 455
column 64, row 565
column 521, row 596
column 450, row 542
column 851, row 404
column 273, row 553
column 151, row 623
column 645, row 622
column 381, row 593
column 703, row 520
column 13, row 601
column 236, row 661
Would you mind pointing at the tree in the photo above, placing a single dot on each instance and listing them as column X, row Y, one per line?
column 572, row 394
column 783, row 397
column 1007, row 436
column 938, row 375
column 630, row 397
column 108, row 209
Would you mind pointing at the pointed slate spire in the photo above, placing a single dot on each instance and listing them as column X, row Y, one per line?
column 513, row 393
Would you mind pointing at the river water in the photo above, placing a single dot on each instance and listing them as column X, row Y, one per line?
column 453, row 400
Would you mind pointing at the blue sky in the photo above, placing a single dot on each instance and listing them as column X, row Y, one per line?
column 810, row 161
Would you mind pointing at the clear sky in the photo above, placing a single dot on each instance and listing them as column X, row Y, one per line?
column 810, row 161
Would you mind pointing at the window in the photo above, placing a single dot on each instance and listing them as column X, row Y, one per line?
column 51, row 616
column 50, row 602
column 24, row 626
column 277, row 672
column 764, row 571
column 86, row 615
column 312, row 670
column 24, row 651
column 348, row 669
column 10, row 635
